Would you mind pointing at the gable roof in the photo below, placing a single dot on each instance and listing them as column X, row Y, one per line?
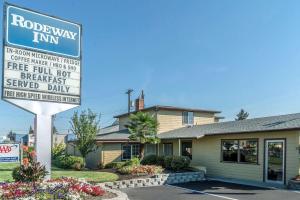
column 160, row 107
column 273, row 123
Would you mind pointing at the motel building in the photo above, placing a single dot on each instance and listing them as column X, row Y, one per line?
column 259, row 151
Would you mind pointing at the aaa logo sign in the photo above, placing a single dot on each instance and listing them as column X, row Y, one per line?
column 5, row 149
column 9, row 152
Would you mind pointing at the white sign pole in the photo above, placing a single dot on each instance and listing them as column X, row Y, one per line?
column 43, row 134
column 43, row 126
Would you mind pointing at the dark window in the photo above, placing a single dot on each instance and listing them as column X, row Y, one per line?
column 186, row 149
column 230, row 150
column 135, row 152
column 188, row 118
column 248, row 151
column 168, row 149
column 126, row 152
column 241, row 151
column 130, row 151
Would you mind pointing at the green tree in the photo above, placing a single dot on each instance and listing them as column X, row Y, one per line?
column 143, row 128
column 30, row 130
column 85, row 126
column 242, row 115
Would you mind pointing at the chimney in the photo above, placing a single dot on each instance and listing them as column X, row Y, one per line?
column 139, row 102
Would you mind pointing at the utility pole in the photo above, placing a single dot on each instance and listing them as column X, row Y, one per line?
column 128, row 92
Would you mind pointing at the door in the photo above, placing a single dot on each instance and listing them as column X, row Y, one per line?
column 275, row 161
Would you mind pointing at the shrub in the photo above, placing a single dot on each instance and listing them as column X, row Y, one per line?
column 149, row 160
column 168, row 161
column 146, row 169
column 160, row 160
column 114, row 165
column 180, row 162
column 125, row 170
column 141, row 170
column 58, row 150
column 133, row 162
column 29, row 170
column 69, row 162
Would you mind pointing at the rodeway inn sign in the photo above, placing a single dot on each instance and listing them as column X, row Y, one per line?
column 41, row 69
column 42, row 57
column 41, row 32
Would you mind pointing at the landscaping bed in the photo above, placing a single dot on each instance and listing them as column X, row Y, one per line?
column 63, row 188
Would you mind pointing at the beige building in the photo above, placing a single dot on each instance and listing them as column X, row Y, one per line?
column 255, row 150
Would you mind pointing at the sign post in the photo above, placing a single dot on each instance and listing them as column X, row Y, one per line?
column 41, row 69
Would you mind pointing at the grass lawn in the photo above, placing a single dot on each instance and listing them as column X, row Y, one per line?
column 95, row 176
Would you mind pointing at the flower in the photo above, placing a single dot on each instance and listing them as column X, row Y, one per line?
column 32, row 154
column 25, row 161
column 25, row 148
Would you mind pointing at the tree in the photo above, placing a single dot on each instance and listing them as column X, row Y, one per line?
column 30, row 130
column 143, row 128
column 242, row 115
column 85, row 126
column 11, row 136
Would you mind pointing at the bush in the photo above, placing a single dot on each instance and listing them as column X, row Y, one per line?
column 168, row 161
column 69, row 162
column 29, row 170
column 141, row 170
column 133, row 162
column 160, row 160
column 114, row 165
column 149, row 160
column 58, row 150
column 180, row 162
column 125, row 170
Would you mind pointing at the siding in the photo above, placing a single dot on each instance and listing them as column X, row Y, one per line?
column 170, row 120
column 111, row 153
column 207, row 152
column 93, row 159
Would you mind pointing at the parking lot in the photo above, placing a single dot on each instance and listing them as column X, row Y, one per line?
column 210, row 190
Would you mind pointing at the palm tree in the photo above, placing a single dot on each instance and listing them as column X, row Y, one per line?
column 143, row 128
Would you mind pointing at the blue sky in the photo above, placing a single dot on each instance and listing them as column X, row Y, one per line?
column 223, row 55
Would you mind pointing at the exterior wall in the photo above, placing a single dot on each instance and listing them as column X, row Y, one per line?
column 111, row 153
column 207, row 152
column 58, row 138
column 175, row 147
column 172, row 119
column 93, row 159
column 72, row 150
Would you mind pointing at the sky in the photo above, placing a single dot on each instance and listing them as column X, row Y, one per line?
column 214, row 54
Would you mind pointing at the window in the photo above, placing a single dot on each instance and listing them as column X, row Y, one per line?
column 188, row 118
column 248, row 151
column 240, row 151
column 168, row 149
column 135, row 152
column 150, row 149
column 186, row 147
column 126, row 149
column 130, row 151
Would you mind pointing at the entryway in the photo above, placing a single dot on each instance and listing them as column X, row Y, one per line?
column 274, row 161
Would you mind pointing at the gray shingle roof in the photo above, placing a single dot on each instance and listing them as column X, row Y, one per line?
column 117, row 135
column 157, row 107
column 280, row 122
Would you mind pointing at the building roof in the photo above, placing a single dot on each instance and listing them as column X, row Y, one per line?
column 273, row 123
column 121, row 135
column 160, row 107
column 109, row 129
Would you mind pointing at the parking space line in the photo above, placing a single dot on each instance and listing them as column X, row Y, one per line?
column 200, row 192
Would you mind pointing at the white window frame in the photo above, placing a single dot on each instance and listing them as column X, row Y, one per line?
column 131, row 155
column 189, row 117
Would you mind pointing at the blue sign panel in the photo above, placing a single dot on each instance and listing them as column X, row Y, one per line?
column 40, row 32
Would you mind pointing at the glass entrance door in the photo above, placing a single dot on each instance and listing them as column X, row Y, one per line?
column 275, row 159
